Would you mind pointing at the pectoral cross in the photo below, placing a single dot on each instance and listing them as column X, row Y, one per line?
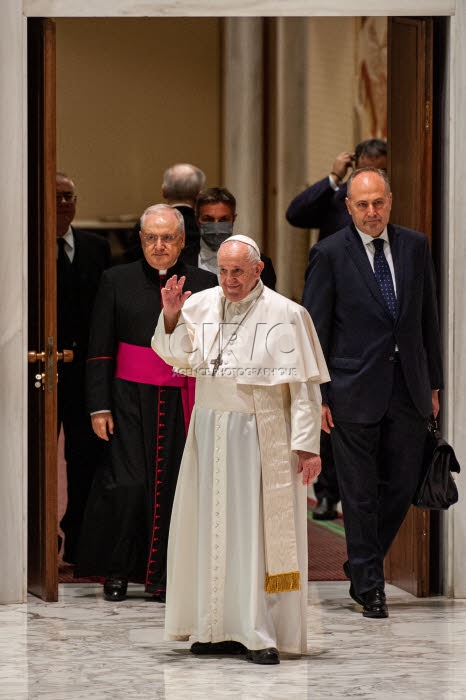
column 216, row 363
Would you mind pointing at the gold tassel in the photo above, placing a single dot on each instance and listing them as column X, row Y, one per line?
column 282, row 583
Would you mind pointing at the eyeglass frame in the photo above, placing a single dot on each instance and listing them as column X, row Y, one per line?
column 151, row 238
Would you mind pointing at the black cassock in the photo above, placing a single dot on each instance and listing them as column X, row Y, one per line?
column 125, row 530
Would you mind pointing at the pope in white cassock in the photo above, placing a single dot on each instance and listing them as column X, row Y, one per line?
column 237, row 553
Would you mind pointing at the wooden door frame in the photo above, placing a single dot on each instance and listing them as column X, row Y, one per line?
column 42, row 452
column 409, row 564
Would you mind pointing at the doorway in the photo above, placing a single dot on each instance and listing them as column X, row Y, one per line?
column 141, row 180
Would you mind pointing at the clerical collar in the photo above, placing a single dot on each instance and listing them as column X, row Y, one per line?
column 153, row 274
column 366, row 239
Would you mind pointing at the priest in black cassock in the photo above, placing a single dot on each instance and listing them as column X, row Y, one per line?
column 142, row 408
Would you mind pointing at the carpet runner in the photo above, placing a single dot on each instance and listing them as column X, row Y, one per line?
column 326, row 548
column 327, row 552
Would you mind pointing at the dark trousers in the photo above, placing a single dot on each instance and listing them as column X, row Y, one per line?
column 326, row 485
column 84, row 452
column 378, row 467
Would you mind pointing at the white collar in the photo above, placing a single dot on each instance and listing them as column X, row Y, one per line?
column 366, row 239
column 69, row 238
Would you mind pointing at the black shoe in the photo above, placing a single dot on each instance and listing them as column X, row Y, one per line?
column 159, row 596
column 375, row 604
column 357, row 599
column 200, row 648
column 325, row 510
column 115, row 589
column 264, row 656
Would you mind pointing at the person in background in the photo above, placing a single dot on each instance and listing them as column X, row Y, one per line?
column 180, row 187
column 370, row 289
column 323, row 206
column 141, row 409
column 81, row 259
column 215, row 215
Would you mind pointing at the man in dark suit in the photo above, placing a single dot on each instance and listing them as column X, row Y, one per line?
column 323, row 206
column 82, row 257
column 370, row 289
column 182, row 183
column 215, row 216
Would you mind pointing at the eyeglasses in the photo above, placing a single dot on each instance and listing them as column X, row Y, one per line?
column 151, row 238
column 67, row 196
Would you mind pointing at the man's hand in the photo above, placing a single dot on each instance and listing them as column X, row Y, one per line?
column 435, row 403
column 310, row 465
column 173, row 299
column 327, row 420
column 341, row 164
column 102, row 424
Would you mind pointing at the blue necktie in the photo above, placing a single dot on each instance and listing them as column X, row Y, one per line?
column 384, row 276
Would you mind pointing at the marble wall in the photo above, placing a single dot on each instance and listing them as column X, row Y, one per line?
column 13, row 304
column 13, row 308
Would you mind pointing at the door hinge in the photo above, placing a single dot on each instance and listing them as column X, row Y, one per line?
column 428, row 116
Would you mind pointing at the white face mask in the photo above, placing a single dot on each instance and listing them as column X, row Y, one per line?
column 214, row 233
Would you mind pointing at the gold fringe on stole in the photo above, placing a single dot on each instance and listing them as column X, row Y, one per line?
column 281, row 557
column 282, row 583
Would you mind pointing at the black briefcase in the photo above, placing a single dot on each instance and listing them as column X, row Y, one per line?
column 437, row 489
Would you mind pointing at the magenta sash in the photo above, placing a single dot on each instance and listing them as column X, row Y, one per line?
column 136, row 363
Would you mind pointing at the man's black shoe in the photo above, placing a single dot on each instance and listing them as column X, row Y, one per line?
column 325, row 510
column 375, row 605
column 115, row 589
column 264, row 656
column 159, row 596
column 200, row 648
column 357, row 599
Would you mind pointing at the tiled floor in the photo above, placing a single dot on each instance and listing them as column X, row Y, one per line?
column 83, row 648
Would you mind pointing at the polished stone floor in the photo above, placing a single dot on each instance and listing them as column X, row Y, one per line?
column 83, row 648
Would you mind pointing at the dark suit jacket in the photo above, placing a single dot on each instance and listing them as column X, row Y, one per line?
column 191, row 229
column 320, row 207
column 91, row 258
column 357, row 333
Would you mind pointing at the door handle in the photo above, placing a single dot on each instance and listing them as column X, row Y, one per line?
column 43, row 379
column 34, row 356
column 64, row 356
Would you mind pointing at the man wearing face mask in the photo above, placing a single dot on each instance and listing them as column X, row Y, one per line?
column 215, row 215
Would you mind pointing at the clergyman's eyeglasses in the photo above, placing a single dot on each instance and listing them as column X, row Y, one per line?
column 151, row 238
